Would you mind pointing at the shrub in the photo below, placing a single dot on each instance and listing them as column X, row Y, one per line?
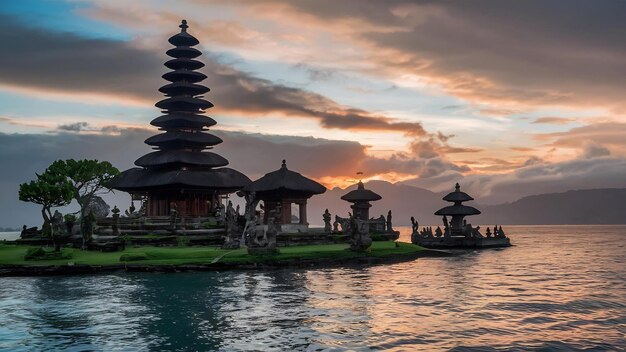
column 210, row 224
column 34, row 253
column 42, row 254
column 182, row 241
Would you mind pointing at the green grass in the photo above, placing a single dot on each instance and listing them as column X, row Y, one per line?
column 10, row 254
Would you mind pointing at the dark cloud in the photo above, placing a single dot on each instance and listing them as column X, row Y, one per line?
column 253, row 154
column 554, row 120
column 67, row 63
column 609, row 135
column 74, row 127
column 593, row 150
column 528, row 52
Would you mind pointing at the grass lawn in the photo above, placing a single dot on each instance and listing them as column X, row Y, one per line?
column 12, row 254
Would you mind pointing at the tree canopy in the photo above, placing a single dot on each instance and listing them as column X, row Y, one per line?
column 49, row 190
column 88, row 177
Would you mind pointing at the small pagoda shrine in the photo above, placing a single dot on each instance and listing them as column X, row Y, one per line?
column 279, row 190
column 458, row 233
column 360, row 199
column 457, row 211
column 180, row 175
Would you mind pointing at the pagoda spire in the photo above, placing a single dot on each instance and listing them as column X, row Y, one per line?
column 183, row 123
column 180, row 171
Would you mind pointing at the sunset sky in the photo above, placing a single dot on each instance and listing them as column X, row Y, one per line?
column 510, row 98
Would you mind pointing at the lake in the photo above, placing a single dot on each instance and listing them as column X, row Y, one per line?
column 560, row 288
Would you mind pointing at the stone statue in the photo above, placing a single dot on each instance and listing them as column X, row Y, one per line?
column 259, row 242
column 142, row 210
column 218, row 211
column 130, row 212
column 488, row 232
column 115, row 227
column 273, row 228
column 88, row 225
column 414, row 225
column 438, row 232
column 250, row 215
column 344, row 223
column 173, row 215
column 389, row 227
column 414, row 231
column 496, row 233
column 336, row 224
column 446, row 226
column 476, row 232
column 359, row 235
column 467, row 229
column 231, row 240
column 57, row 228
column 326, row 217
column 502, row 234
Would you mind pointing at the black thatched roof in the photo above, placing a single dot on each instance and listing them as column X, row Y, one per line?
column 181, row 158
column 183, row 38
column 183, row 120
column 223, row 179
column 179, row 162
column 285, row 180
column 361, row 195
column 183, row 140
column 182, row 104
column 177, row 88
column 457, row 195
column 457, row 210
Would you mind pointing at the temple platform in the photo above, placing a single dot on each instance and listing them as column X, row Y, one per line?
column 461, row 242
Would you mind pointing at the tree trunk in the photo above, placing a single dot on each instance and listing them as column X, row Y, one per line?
column 46, row 228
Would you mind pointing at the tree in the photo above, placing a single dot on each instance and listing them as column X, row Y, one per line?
column 89, row 179
column 49, row 190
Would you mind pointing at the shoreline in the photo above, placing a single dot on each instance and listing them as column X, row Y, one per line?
column 246, row 263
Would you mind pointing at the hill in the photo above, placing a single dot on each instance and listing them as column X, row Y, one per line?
column 593, row 206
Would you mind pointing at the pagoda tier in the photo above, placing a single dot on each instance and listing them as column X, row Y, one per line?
column 457, row 211
column 360, row 199
column 182, row 121
column 179, row 173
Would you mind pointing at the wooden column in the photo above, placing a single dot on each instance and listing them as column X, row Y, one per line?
column 286, row 212
column 302, row 215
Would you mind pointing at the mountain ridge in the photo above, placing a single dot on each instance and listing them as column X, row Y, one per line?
column 573, row 207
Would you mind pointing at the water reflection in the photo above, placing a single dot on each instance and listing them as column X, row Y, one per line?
column 562, row 292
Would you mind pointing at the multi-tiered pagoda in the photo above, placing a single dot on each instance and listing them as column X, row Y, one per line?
column 180, row 174
column 457, row 211
column 360, row 199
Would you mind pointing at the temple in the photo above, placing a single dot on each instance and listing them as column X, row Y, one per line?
column 279, row 190
column 180, row 175
column 458, row 233
column 457, row 211
column 360, row 199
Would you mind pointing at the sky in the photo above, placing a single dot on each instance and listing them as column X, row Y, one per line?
column 508, row 98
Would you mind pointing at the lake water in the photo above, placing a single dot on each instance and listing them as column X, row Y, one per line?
column 560, row 288
column 9, row 236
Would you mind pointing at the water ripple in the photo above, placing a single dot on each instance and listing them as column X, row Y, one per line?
column 555, row 291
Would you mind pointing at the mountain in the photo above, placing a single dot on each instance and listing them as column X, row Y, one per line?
column 404, row 201
column 594, row 206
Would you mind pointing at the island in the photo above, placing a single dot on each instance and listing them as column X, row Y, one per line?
column 186, row 219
